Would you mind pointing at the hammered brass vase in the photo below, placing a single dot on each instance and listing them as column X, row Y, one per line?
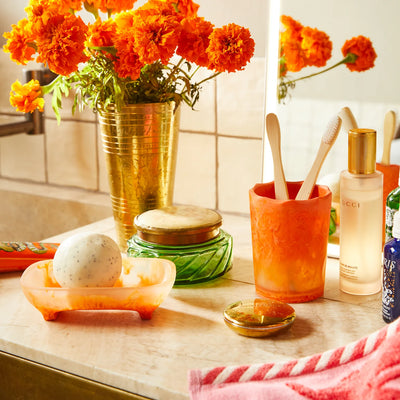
column 140, row 146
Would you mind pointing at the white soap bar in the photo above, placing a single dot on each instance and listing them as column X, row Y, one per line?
column 87, row 260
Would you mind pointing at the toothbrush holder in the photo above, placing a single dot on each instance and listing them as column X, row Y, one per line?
column 289, row 240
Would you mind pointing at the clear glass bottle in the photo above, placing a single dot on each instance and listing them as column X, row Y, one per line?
column 392, row 205
column 361, row 197
column 391, row 274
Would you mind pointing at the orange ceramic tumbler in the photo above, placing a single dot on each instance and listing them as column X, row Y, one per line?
column 290, row 240
column 390, row 182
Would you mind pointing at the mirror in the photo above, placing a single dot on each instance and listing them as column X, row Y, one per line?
column 369, row 94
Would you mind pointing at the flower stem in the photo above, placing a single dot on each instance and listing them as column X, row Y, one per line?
column 48, row 88
column 208, row 78
column 350, row 58
column 194, row 72
column 174, row 70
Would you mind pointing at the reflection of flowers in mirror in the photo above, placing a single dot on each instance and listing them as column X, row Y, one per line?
column 302, row 46
column 123, row 56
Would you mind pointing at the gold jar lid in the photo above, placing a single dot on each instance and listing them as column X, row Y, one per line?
column 178, row 225
column 362, row 151
column 259, row 317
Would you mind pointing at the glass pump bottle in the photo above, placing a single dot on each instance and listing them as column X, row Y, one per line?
column 361, row 196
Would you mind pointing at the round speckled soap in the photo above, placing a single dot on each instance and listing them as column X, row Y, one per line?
column 87, row 260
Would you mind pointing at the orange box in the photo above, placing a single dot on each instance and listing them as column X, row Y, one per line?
column 390, row 182
column 290, row 240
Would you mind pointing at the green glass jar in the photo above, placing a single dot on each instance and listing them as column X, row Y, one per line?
column 392, row 205
column 189, row 236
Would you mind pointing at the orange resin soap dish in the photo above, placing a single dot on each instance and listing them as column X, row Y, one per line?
column 143, row 285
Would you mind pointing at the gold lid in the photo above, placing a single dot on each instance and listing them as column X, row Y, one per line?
column 259, row 317
column 178, row 225
column 362, row 151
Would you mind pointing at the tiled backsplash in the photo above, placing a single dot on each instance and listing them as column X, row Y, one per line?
column 220, row 144
column 304, row 122
column 219, row 154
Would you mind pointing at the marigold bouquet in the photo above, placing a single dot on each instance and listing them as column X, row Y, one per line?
column 125, row 55
column 302, row 46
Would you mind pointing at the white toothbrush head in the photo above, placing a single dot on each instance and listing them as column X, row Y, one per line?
column 332, row 130
column 327, row 142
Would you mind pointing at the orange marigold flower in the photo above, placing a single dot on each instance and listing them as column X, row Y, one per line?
column 124, row 21
column 294, row 56
column 115, row 6
column 157, row 7
column 20, row 42
column 40, row 11
column 317, row 46
column 362, row 48
column 67, row 5
column 127, row 63
column 101, row 33
column 187, row 8
column 230, row 48
column 194, row 40
column 156, row 38
column 53, row 6
column 62, row 43
column 28, row 97
column 302, row 46
column 292, row 30
column 179, row 9
column 124, row 26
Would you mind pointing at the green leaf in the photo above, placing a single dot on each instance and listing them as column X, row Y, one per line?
column 92, row 9
column 56, row 104
column 109, row 49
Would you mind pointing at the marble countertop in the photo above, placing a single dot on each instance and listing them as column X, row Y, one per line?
column 152, row 358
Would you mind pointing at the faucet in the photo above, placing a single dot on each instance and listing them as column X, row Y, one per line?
column 33, row 123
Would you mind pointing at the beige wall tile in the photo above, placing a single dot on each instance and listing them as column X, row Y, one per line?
column 240, row 101
column 195, row 171
column 66, row 111
column 10, row 72
column 11, row 13
column 72, row 154
column 202, row 117
column 22, row 156
column 252, row 15
column 240, row 167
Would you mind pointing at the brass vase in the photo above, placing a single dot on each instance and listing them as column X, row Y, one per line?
column 140, row 145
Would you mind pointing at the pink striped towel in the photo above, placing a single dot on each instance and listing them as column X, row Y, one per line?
column 368, row 369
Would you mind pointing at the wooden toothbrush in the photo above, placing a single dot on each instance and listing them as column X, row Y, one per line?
column 274, row 137
column 348, row 119
column 327, row 142
column 389, row 128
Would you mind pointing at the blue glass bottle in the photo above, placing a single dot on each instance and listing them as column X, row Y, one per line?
column 391, row 274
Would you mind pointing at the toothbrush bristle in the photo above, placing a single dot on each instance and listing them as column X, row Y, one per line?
column 332, row 130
